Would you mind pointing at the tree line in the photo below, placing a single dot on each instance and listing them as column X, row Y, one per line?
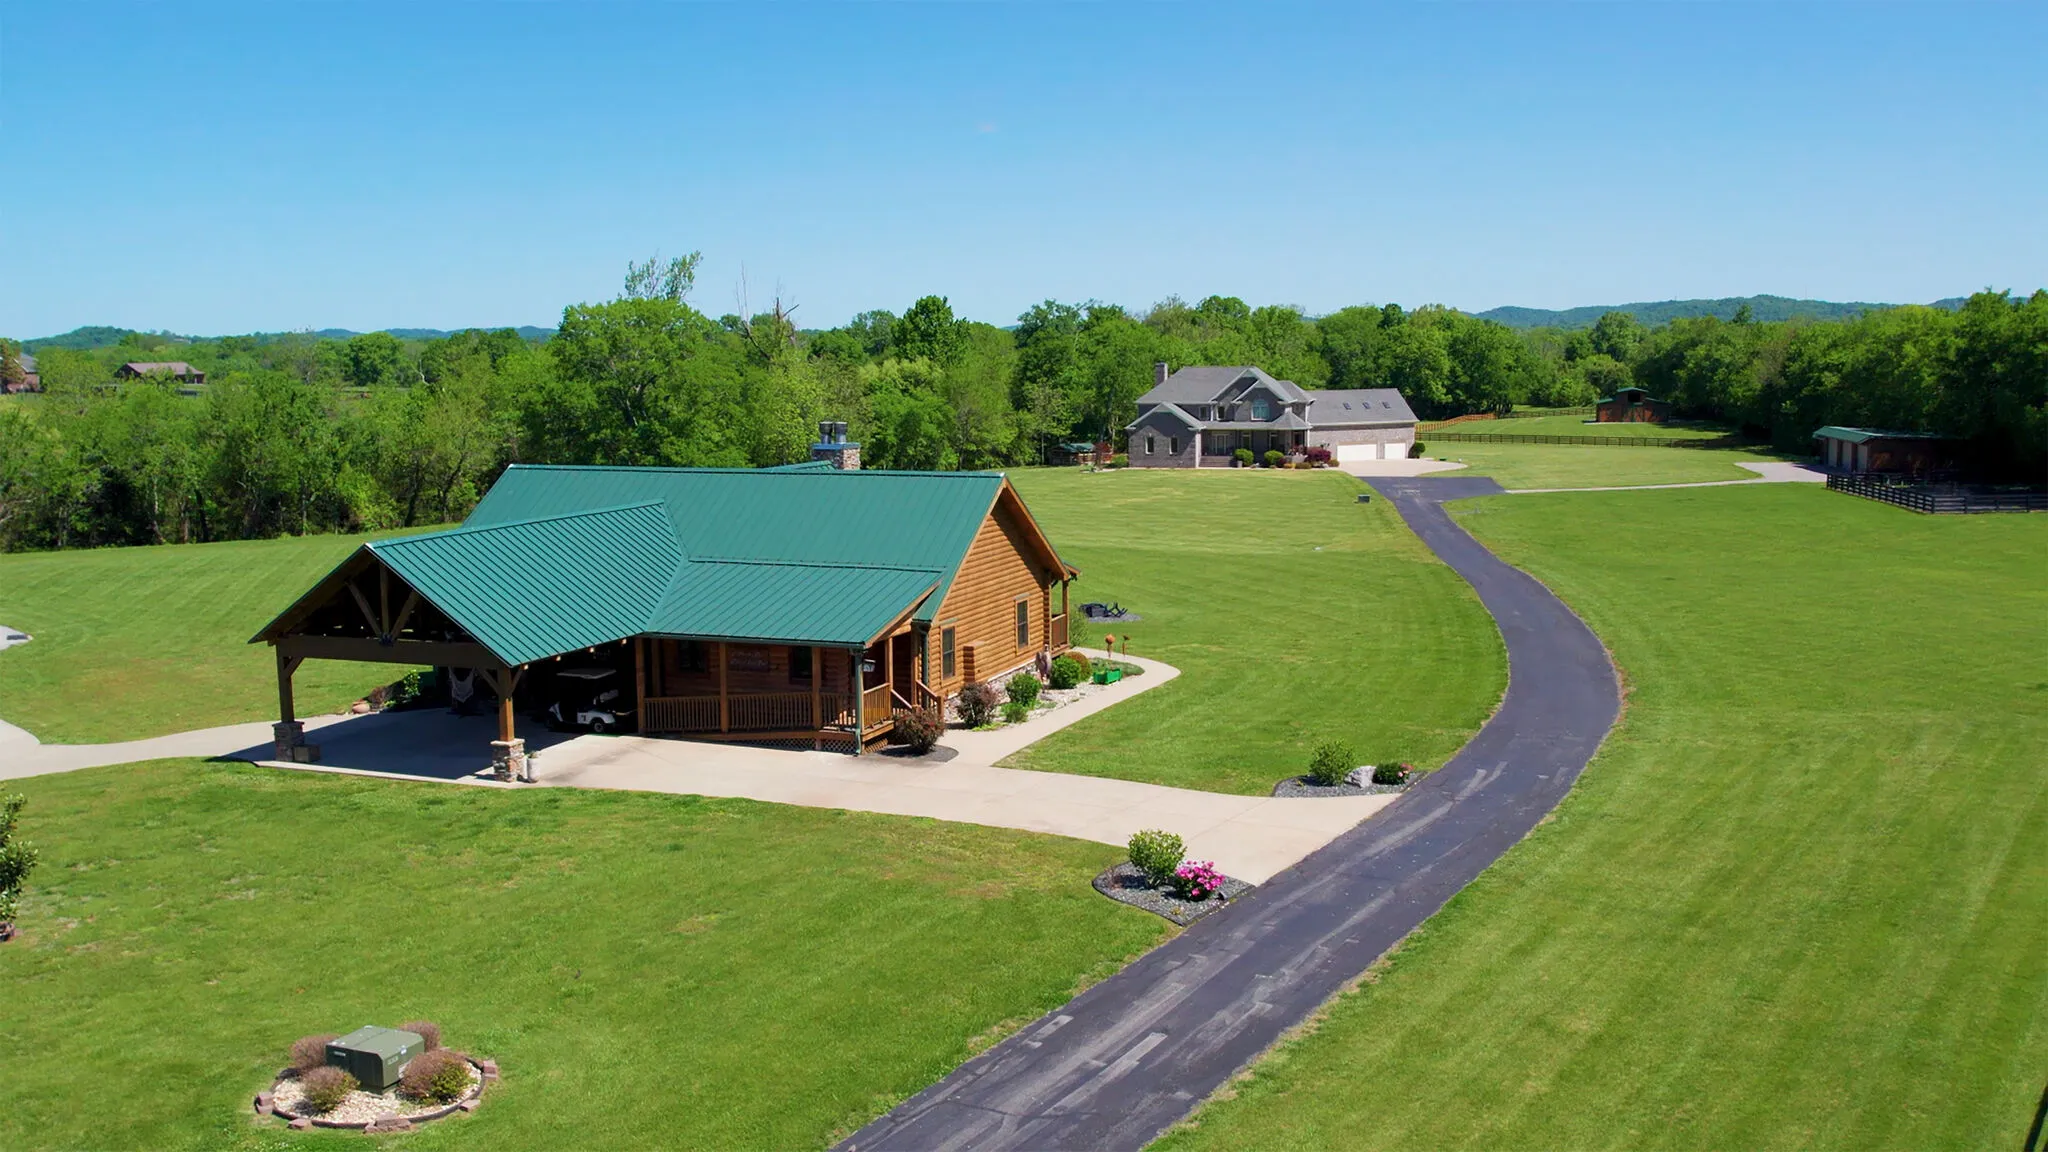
column 297, row 434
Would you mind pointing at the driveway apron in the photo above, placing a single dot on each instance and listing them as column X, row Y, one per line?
column 1128, row 1058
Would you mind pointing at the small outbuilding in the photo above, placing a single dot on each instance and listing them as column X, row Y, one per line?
column 1881, row 450
column 177, row 370
column 1631, row 406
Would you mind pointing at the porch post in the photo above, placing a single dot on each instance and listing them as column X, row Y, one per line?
column 508, row 751
column 817, row 705
column 724, row 704
column 858, row 657
column 287, row 734
column 639, row 683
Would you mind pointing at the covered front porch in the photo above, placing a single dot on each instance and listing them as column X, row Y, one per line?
column 829, row 696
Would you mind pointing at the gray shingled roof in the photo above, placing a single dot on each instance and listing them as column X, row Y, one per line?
column 1337, row 406
column 1203, row 383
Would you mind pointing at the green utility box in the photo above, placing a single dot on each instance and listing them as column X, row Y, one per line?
column 1108, row 675
column 375, row 1056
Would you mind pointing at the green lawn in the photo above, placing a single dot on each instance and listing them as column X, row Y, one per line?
column 1798, row 900
column 1580, row 426
column 1294, row 613
column 1592, row 465
column 135, row 642
column 651, row 971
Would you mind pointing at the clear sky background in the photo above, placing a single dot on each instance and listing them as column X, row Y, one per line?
column 213, row 168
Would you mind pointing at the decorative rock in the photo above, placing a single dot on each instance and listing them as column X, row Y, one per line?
column 265, row 1105
column 1359, row 777
column 389, row 1124
column 302, row 1123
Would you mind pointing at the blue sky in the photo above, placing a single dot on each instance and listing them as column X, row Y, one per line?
column 217, row 168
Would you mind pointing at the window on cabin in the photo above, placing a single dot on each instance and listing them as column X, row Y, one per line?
column 946, row 653
column 693, row 656
column 799, row 664
column 1023, row 622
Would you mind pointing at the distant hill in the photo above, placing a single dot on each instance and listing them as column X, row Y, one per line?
column 102, row 336
column 1764, row 308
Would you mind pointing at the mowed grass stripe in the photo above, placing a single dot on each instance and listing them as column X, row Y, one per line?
column 1295, row 614
column 1797, row 900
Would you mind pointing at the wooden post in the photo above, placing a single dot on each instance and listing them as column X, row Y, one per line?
column 817, row 704
column 286, row 665
column 504, row 680
column 639, row 683
column 724, row 704
column 860, row 705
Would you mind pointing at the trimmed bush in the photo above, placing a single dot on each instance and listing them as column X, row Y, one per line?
column 917, row 731
column 1197, row 880
column 1416, row 449
column 1024, row 688
column 326, row 1087
column 428, row 1030
column 1275, row 457
column 1120, row 460
column 1392, row 773
column 1064, row 673
column 1016, row 711
column 17, row 858
column 1081, row 658
column 440, row 1074
column 1157, row 854
column 977, row 704
column 1330, row 764
column 310, row 1052
column 1319, row 457
column 1243, row 456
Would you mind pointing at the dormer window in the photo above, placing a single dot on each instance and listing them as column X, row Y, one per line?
column 1261, row 410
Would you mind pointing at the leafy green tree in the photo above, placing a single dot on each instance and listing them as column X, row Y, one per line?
column 1616, row 335
column 929, row 331
column 657, row 279
column 374, row 360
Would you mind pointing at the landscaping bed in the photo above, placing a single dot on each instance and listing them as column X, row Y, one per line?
column 1299, row 787
column 363, row 1109
column 1126, row 884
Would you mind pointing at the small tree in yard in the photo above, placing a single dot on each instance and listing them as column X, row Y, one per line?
column 17, row 858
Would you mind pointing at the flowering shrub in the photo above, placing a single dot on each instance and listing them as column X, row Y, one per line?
column 1157, row 854
column 326, row 1087
column 1392, row 773
column 1197, row 880
column 1065, row 672
column 977, row 703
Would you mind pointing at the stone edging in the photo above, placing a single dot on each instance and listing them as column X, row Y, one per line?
column 487, row 1073
column 1298, row 788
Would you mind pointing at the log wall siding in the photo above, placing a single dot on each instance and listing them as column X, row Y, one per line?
column 679, row 681
column 981, row 605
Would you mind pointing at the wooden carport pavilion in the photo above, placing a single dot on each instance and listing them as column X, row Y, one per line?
column 798, row 604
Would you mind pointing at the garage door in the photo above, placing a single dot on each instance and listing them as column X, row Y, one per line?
column 1346, row 453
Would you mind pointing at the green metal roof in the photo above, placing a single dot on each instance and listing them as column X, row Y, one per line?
column 1865, row 435
column 559, row 558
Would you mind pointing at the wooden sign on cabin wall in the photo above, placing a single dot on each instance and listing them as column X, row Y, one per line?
column 747, row 658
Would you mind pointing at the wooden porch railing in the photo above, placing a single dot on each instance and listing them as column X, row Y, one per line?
column 921, row 698
column 749, row 712
column 874, row 706
column 1058, row 633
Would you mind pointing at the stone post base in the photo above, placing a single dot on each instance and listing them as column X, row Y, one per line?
column 287, row 735
column 508, row 759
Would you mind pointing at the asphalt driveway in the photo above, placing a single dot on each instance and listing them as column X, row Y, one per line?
column 1132, row 1055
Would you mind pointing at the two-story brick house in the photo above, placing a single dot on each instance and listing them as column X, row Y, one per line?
column 1201, row 415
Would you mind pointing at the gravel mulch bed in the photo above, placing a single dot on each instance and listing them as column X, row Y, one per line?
column 1298, row 787
column 363, row 1107
column 1126, row 885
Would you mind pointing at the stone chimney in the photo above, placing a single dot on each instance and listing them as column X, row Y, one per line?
column 833, row 445
column 1159, row 373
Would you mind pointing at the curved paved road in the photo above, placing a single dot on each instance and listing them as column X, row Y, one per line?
column 1132, row 1055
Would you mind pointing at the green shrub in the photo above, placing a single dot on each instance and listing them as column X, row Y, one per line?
column 1016, row 712
column 1331, row 763
column 977, row 704
column 428, row 1030
column 1024, row 688
column 310, row 1052
column 1392, row 772
column 1275, row 457
column 1120, row 460
column 1243, row 456
column 917, row 731
column 1157, row 854
column 1064, row 673
column 17, row 857
column 326, row 1087
column 439, row 1074
column 1081, row 658
column 1415, row 450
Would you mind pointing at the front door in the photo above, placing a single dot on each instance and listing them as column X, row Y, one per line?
column 903, row 663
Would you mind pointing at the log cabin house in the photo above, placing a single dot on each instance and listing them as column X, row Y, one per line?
column 799, row 604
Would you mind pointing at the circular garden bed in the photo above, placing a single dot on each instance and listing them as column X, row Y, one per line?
column 314, row 1094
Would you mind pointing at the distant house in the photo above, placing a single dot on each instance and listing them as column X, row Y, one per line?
column 1073, row 452
column 31, row 380
column 1631, row 406
column 1200, row 416
column 178, row 370
column 805, row 603
column 1880, row 450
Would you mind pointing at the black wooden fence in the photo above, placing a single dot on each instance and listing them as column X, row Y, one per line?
column 1919, row 496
